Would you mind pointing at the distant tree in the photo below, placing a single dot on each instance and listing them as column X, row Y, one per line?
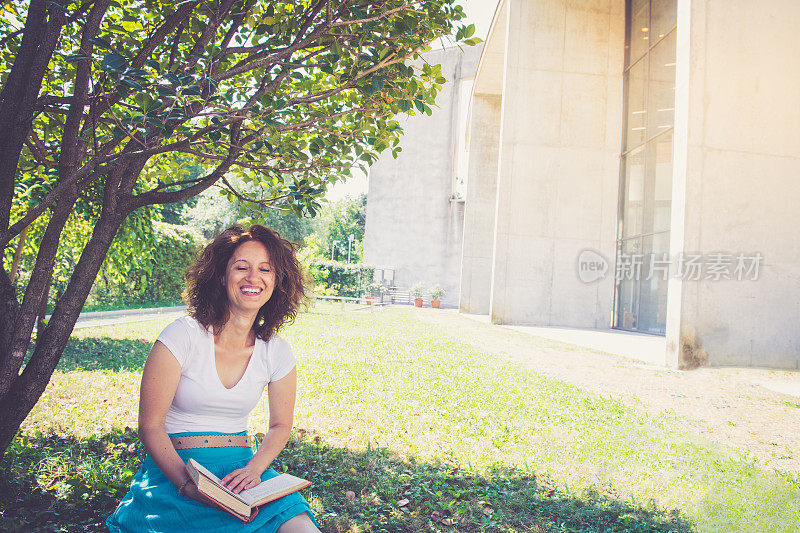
column 108, row 99
column 341, row 219
column 213, row 212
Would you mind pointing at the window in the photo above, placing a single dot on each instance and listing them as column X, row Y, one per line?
column 646, row 166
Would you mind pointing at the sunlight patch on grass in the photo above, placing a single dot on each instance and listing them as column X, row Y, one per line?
column 385, row 389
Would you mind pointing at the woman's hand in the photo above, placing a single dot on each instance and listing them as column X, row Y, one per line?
column 241, row 479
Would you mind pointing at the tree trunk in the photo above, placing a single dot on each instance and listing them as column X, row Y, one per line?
column 13, row 347
column 27, row 388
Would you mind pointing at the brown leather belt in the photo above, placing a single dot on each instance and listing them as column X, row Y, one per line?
column 212, row 441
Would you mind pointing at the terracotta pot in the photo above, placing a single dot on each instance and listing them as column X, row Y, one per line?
column 369, row 299
column 417, row 302
column 435, row 303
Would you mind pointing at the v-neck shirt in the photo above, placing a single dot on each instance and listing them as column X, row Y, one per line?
column 201, row 401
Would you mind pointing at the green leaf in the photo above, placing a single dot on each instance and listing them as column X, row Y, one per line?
column 172, row 78
column 166, row 90
column 130, row 84
column 153, row 106
column 113, row 63
column 74, row 58
column 101, row 43
column 129, row 25
column 143, row 100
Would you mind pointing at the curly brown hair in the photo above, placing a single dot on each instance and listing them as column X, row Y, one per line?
column 207, row 299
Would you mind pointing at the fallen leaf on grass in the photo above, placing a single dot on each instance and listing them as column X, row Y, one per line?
column 350, row 495
column 449, row 521
column 402, row 503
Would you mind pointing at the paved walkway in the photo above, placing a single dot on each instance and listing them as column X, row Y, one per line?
column 105, row 318
column 753, row 410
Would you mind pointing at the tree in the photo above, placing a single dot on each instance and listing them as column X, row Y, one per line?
column 341, row 219
column 108, row 99
column 212, row 213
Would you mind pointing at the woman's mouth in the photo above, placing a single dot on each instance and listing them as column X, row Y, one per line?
column 251, row 290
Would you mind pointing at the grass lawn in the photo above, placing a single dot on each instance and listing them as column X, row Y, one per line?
column 427, row 429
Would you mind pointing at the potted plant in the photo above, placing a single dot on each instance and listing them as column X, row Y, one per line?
column 374, row 290
column 436, row 294
column 416, row 291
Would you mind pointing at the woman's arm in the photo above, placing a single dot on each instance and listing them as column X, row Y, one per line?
column 281, row 396
column 159, row 383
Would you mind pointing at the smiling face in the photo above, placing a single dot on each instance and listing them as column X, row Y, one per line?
column 249, row 277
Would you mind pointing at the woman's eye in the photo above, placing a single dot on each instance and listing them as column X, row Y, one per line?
column 241, row 268
column 265, row 270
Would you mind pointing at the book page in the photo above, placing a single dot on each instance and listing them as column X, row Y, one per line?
column 281, row 483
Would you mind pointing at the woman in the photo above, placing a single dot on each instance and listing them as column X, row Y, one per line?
column 204, row 375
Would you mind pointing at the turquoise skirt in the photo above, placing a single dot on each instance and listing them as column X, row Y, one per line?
column 153, row 505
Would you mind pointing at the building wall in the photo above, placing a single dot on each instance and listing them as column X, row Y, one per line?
column 737, row 181
column 558, row 171
column 485, row 112
column 544, row 149
column 476, row 261
column 412, row 223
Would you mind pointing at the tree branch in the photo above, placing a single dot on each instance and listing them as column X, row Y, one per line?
column 79, row 177
column 18, row 96
column 168, row 197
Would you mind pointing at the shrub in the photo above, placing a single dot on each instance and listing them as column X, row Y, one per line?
column 436, row 292
column 156, row 279
column 175, row 250
column 346, row 279
column 417, row 290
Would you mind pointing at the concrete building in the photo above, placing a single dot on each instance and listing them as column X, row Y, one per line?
column 634, row 168
column 415, row 208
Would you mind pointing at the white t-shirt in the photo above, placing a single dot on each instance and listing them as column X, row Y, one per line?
column 202, row 402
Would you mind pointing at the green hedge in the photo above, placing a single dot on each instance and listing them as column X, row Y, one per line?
column 341, row 279
column 154, row 279
column 175, row 250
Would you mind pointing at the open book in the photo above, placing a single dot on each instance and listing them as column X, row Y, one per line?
column 245, row 504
